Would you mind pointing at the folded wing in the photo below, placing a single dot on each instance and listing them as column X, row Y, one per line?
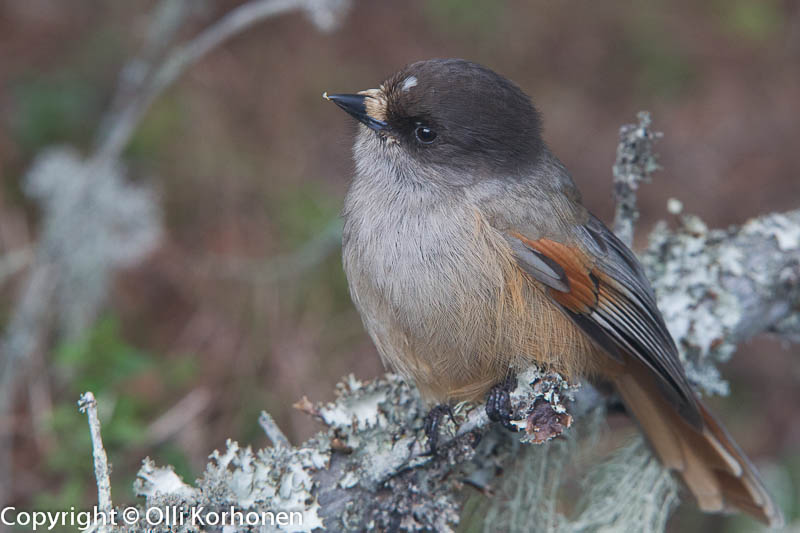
column 601, row 286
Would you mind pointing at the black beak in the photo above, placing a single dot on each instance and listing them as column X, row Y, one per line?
column 355, row 104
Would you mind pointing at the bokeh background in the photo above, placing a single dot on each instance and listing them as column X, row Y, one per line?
column 242, row 304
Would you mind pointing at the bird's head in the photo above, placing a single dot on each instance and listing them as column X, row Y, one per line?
column 447, row 114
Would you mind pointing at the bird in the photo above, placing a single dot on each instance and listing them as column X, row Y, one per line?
column 469, row 255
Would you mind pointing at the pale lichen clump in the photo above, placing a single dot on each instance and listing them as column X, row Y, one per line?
column 698, row 315
column 271, row 480
column 780, row 226
column 374, row 451
column 718, row 287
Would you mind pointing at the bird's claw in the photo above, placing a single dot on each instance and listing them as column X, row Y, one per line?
column 498, row 403
column 433, row 421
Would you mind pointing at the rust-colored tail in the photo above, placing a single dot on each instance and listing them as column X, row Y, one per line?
column 715, row 470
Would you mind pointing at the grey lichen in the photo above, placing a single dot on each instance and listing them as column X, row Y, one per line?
column 631, row 491
column 716, row 288
column 270, row 480
column 95, row 221
column 635, row 163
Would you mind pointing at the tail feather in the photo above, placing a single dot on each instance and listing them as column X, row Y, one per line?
column 717, row 473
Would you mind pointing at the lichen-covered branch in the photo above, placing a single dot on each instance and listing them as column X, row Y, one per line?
column 719, row 287
column 371, row 467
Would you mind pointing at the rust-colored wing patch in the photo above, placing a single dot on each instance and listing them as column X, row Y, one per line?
column 578, row 268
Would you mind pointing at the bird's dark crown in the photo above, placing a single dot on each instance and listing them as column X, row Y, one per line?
column 475, row 116
column 453, row 112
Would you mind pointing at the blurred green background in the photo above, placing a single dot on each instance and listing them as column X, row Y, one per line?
column 250, row 164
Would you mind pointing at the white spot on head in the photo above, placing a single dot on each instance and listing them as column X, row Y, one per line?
column 408, row 83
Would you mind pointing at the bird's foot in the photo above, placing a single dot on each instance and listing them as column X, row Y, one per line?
column 433, row 421
column 498, row 402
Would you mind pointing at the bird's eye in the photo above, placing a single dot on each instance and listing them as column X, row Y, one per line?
column 424, row 134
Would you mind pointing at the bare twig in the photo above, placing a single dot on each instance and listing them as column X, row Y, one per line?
column 234, row 22
column 635, row 163
column 273, row 432
column 166, row 19
column 178, row 416
column 87, row 404
column 14, row 261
